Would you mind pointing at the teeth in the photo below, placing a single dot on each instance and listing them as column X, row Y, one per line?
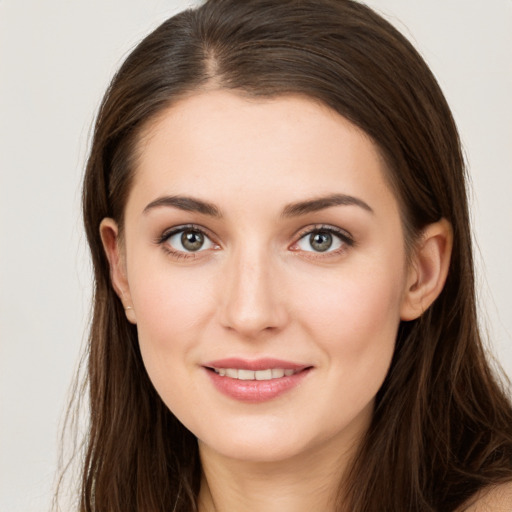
column 246, row 375
column 263, row 375
column 240, row 374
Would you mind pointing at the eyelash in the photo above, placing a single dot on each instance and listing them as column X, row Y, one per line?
column 345, row 238
column 181, row 255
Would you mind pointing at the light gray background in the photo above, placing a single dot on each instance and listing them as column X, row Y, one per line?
column 56, row 58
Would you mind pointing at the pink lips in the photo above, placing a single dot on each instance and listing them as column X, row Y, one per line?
column 255, row 391
column 259, row 364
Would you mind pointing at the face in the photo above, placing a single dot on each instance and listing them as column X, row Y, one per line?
column 263, row 256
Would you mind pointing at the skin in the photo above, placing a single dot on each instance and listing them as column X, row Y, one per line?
column 258, row 288
column 493, row 499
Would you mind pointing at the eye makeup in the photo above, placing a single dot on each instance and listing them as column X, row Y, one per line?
column 321, row 242
column 188, row 241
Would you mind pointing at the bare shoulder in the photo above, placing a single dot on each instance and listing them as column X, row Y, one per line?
column 494, row 499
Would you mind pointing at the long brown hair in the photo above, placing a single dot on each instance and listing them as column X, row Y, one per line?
column 442, row 426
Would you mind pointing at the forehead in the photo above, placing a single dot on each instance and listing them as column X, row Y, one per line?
column 222, row 146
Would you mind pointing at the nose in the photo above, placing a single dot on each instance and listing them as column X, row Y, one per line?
column 252, row 298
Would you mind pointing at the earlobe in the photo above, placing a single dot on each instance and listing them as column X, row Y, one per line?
column 428, row 270
column 109, row 232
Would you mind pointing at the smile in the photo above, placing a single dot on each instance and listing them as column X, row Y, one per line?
column 242, row 374
column 255, row 381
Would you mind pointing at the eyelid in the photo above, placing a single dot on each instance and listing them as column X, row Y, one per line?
column 342, row 234
column 169, row 232
column 345, row 237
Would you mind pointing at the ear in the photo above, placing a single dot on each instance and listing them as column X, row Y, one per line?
column 109, row 232
column 428, row 270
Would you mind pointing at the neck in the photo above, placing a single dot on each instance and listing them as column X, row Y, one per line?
column 303, row 483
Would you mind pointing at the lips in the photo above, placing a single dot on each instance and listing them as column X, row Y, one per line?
column 242, row 374
column 255, row 381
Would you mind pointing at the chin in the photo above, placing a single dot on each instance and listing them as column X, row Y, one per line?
column 271, row 442
column 257, row 451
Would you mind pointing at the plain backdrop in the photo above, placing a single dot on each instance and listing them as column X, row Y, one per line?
column 56, row 59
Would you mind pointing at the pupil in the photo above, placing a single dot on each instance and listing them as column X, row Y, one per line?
column 321, row 241
column 192, row 240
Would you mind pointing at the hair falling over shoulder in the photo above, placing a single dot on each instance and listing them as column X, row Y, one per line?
column 442, row 425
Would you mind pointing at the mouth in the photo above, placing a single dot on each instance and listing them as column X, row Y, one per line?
column 243, row 374
column 255, row 381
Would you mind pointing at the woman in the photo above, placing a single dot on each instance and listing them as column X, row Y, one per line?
column 284, row 311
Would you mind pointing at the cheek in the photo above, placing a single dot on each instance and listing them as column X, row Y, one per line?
column 354, row 322
column 167, row 299
column 355, row 300
column 355, row 315
column 171, row 306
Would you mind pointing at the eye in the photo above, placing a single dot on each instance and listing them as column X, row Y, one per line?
column 188, row 240
column 323, row 240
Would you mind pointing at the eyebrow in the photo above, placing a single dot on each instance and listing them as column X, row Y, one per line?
column 321, row 203
column 185, row 203
column 190, row 204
